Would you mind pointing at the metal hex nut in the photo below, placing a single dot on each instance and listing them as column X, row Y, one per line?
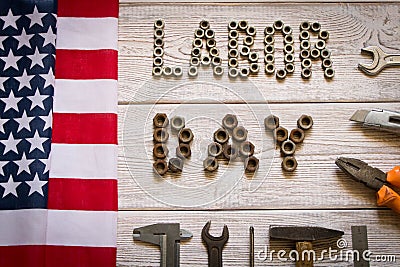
column 204, row 24
column 306, row 73
column 304, row 35
column 196, row 52
column 288, row 49
column 315, row 53
column 244, row 72
column 251, row 164
column 305, row 26
column 205, row 60
column 177, row 123
column 281, row 74
column 221, row 136
column 289, row 58
column 233, row 72
column 177, row 71
column 229, row 121
column 306, row 63
column 157, row 71
column 239, row 134
column 305, row 122
column 270, row 68
column 251, row 31
column 320, row 44
column 233, row 25
column 194, row 61
column 158, row 42
column 325, row 53
column 158, row 51
column 324, row 35
column 160, row 120
column 199, row 33
column 269, row 40
column 233, row 34
column 158, row 61
column 167, row 71
column 175, row 164
column 210, row 164
column 218, row 70
column 269, row 58
column 289, row 164
column 197, row 42
column 160, row 135
column 211, row 43
column 233, row 62
column 243, row 24
column 289, row 39
column 244, row 51
column 183, row 151
column 246, row 149
column 233, row 44
column 159, row 33
column 305, row 54
column 254, row 67
column 289, row 67
column 160, row 151
column 297, row 135
column 278, row 25
column 280, row 134
column 160, row 167
column 185, row 135
column 305, row 45
column 192, row 71
column 159, row 24
column 269, row 30
column 230, row 152
column 215, row 150
column 287, row 30
column 288, row 148
column 209, row 33
column 253, row 56
column 216, row 60
column 329, row 73
column 316, row 26
column 271, row 122
column 326, row 63
column 233, row 53
column 248, row 40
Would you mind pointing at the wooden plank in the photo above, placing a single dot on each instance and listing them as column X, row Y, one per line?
column 383, row 234
column 317, row 183
column 350, row 26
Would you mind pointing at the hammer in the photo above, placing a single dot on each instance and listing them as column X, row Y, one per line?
column 303, row 237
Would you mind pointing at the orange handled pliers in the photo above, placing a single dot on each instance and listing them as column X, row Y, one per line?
column 374, row 178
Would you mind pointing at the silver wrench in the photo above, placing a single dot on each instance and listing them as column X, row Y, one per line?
column 380, row 60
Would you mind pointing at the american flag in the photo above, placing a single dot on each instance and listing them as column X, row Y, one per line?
column 58, row 133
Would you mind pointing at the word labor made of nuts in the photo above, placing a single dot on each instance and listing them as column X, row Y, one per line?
column 243, row 61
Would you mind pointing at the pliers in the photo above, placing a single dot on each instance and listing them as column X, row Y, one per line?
column 375, row 179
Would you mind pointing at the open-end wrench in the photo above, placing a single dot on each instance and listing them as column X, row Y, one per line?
column 380, row 60
column 215, row 245
column 167, row 236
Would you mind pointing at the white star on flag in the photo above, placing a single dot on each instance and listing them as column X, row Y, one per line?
column 49, row 37
column 2, row 164
column 2, row 122
column 47, row 121
column 10, row 20
column 36, row 17
column 49, row 78
column 23, row 164
column 36, row 185
column 11, row 60
column 23, row 39
column 47, row 164
column 2, row 38
column 24, row 121
column 10, row 144
column 2, row 80
column 36, row 142
column 37, row 100
column 37, row 58
column 24, row 80
column 11, row 101
column 10, row 187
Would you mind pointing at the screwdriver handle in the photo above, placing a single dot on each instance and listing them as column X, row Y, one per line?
column 393, row 176
column 389, row 198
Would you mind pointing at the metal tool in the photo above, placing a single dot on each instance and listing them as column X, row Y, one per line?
column 167, row 236
column 360, row 243
column 251, row 246
column 378, row 118
column 375, row 179
column 303, row 236
column 215, row 245
column 380, row 60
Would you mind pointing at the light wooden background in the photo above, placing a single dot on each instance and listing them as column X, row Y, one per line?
column 317, row 193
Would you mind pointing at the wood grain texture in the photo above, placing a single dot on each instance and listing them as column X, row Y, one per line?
column 351, row 25
column 383, row 232
column 316, row 184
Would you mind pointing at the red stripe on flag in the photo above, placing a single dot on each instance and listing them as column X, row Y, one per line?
column 85, row 128
column 83, row 194
column 87, row 64
column 60, row 256
column 88, row 8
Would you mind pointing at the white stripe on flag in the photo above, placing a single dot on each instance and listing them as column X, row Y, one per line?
column 87, row 33
column 86, row 96
column 64, row 227
column 95, row 161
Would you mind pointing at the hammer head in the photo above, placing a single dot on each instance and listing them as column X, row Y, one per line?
column 302, row 233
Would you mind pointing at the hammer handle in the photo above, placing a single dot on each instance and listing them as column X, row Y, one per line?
column 306, row 254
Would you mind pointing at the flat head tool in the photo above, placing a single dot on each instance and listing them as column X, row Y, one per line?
column 380, row 119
